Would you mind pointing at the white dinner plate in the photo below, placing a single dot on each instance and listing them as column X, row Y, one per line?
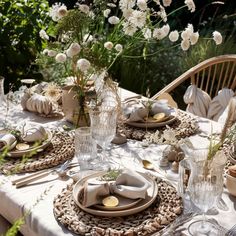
column 135, row 208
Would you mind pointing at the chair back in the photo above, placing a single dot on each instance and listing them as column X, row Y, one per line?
column 210, row 75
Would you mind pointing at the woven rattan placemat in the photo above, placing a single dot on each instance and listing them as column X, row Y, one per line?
column 184, row 126
column 60, row 149
column 166, row 208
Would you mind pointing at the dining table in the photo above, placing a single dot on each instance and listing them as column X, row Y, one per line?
column 36, row 201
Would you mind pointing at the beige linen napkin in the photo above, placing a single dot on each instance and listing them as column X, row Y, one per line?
column 128, row 184
column 219, row 103
column 7, row 140
column 32, row 132
column 198, row 101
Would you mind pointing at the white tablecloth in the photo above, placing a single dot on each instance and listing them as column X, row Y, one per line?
column 14, row 203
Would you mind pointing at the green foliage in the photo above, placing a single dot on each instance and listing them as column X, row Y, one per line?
column 20, row 23
column 15, row 227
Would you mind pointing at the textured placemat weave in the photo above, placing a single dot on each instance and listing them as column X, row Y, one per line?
column 184, row 126
column 60, row 149
column 165, row 209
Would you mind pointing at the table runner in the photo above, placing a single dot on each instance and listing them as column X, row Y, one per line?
column 165, row 209
column 60, row 149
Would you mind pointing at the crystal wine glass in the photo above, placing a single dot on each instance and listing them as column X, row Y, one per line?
column 103, row 124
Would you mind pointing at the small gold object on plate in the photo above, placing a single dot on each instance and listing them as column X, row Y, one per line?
column 160, row 117
column 22, row 146
column 110, row 201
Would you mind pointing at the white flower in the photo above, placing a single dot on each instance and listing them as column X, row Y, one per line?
column 108, row 45
column 217, row 37
column 114, row 20
column 138, row 18
column 111, row 5
column 83, row 64
column 52, row 53
column 186, row 34
column 166, row 29
column 62, row 11
column 84, row 8
column 162, row 13
column 142, row 5
column 73, row 50
column 119, row 48
column 191, row 5
column 57, row 11
column 45, row 52
column 166, row 3
column 160, row 33
column 106, row 12
column 43, row 34
column 147, row 33
column 185, row 44
column 174, row 36
column 60, row 57
column 194, row 38
column 126, row 4
column 129, row 29
column 127, row 13
column 87, row 38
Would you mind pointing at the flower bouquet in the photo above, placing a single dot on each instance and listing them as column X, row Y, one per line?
column 84, row 43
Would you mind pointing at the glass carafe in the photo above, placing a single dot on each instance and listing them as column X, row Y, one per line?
column 202, row 181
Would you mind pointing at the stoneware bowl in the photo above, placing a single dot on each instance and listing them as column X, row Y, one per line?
column 231, row 184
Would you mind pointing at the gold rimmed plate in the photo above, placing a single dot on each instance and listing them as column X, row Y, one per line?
column 33, row 147
column 128, row 207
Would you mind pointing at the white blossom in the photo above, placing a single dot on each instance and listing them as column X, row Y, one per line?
column 147, row 33
column 126, row 4
column 113, row 20
column 186, row 34
column 166, row 29
column 119, row 48
column 166, row 3
column 129, row 29
column 73, row 50
column 60, row 57
column 127, row 13
column 52, row 53
column 160, row 33
column 174, row 36
column 142, row 5
column 83, row 64
column 45, row 52
column 217, row 37
column 194, row 38
column 84, row 8
column 43, row 34
column 185, row 44
column 62, row 11
column 138, row 18
column 108, row 45
column 106, row 12
column 87, row 38
column 111, row 5
column 191, row 5
column 162, row 13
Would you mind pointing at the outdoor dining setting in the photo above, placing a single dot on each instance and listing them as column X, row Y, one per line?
column 123, row 120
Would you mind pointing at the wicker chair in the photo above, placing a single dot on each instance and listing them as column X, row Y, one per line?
column 210, row 75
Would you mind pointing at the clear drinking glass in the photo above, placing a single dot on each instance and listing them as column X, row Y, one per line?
column 103, row 125
column 85, row 148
